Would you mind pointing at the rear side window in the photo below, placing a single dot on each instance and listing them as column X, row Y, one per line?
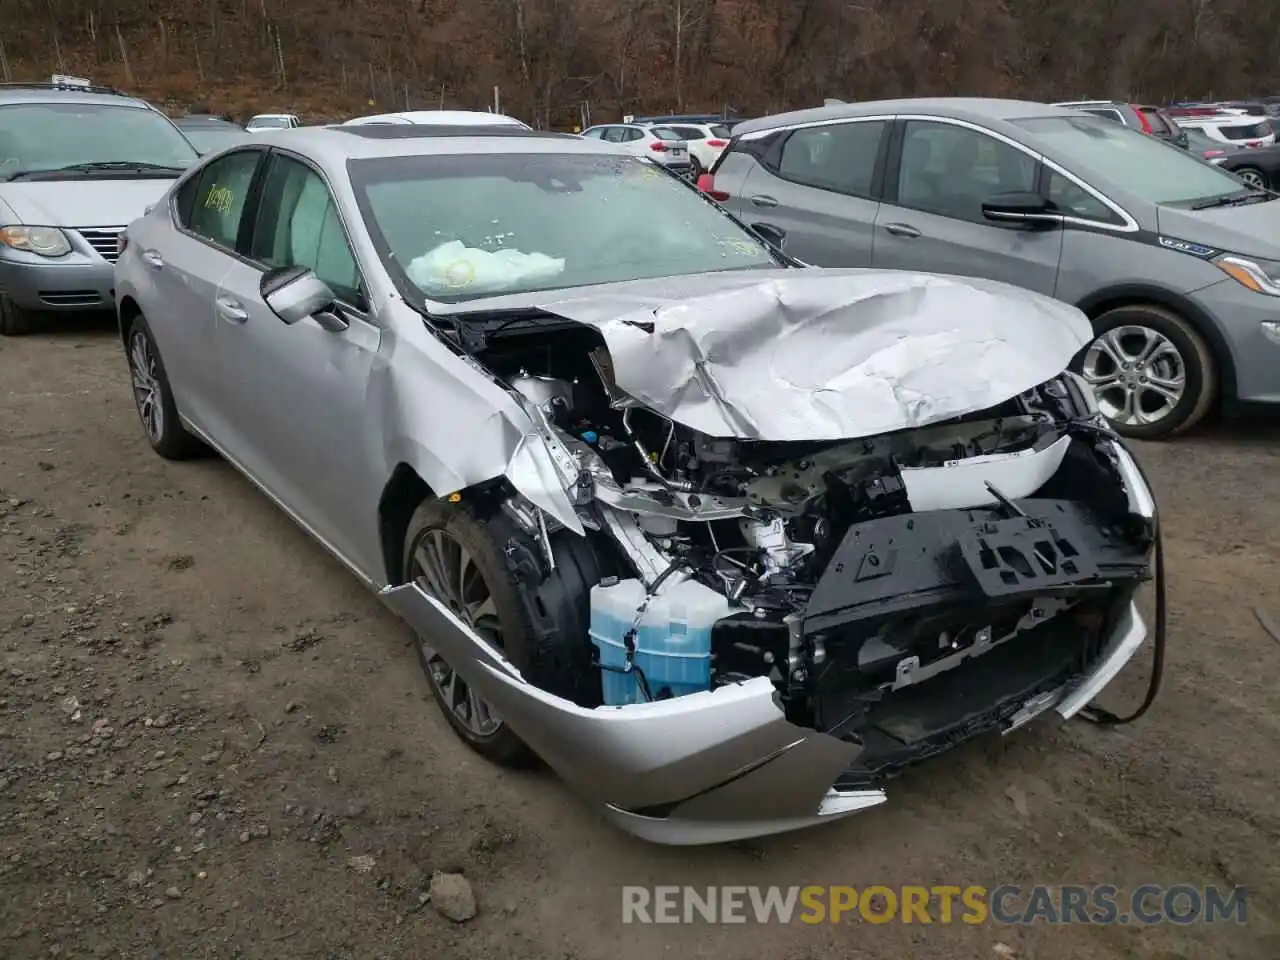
column 839, row 157
column 212, row 203
column 1107, row 113
column 1241, row 131
column 1158, row 126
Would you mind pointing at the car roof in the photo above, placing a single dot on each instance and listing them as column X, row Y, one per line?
column 204, row 121
column 974, row 109
column 439, row 117
column 333, row 146
column 47, row 93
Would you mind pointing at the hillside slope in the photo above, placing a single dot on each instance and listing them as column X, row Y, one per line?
column 558, row 61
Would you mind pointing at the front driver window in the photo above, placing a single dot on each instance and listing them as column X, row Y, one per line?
column 298, row 225
column 950, row 170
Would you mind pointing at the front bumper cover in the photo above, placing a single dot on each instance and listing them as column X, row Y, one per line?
column 705, row 768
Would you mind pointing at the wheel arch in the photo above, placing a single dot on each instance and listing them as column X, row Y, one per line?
column 126, row 313
column 401, row 496
column 1141, row 295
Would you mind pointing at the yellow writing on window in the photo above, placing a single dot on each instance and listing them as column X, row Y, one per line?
column 219, row 198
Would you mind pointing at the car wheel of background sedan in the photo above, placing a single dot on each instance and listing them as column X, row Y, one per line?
column 153, row 397
column 453, row 557
column 15, row 321
column 1252, row 176
column 1151, row 372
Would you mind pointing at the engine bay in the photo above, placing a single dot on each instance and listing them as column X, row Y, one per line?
column 848, row 571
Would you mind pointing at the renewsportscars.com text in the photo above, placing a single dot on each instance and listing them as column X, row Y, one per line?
column 971, row 904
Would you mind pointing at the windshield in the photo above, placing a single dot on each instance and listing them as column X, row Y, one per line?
column 270, row 123
column 209, row 139
column 1143, row 165
column 462, row 227
column 49, row 136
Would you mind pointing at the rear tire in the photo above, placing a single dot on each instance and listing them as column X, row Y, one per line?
column 153, row 397
column 16, row 321
column 1153, row 375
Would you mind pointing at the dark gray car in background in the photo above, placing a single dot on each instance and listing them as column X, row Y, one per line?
column 1176, row 262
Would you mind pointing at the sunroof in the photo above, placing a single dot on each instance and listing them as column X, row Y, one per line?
column 413, row 131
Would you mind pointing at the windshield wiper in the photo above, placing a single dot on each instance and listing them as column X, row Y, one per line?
column 1233, row 200
column 100, row 166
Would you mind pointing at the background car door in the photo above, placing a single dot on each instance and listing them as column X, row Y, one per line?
column 300, row 392
column 818, row 187
column 186, row 263
column 931, row 218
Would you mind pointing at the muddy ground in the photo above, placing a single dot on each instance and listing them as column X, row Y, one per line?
column 214, row 743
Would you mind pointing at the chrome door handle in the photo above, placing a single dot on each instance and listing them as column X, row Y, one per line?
column 231, row 311
column 153, row 259
column 764, row 201
column 904, row 230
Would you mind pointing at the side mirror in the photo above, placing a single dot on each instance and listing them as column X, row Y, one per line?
column 774, row 236
column 1025, row 210
column 295, row 293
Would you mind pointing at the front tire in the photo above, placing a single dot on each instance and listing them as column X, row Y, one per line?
column 153, row 397
column 16, row 321
column 1152, row 373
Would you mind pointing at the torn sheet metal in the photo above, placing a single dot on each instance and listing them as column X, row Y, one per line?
column 826, row 354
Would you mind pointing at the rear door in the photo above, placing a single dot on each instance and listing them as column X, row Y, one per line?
column 940, row 172
column 818, row 185
column 186, row 263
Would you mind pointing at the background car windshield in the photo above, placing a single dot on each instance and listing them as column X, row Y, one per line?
column 460, row 227
column 47, row 136
column 271, row 123
column 1140, row 164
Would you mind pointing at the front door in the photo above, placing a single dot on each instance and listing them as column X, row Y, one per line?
column 931, row 219
column 301, row 393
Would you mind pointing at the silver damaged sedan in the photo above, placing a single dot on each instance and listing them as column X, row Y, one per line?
column 726, row 541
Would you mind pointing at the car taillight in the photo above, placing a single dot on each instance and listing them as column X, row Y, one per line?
column 1215, row 153
column 707, row 185
column 1146, row 124
column 658, row 146
column 717, row 143
column 122, row 241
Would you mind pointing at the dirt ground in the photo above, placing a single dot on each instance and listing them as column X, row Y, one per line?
column 214, row 743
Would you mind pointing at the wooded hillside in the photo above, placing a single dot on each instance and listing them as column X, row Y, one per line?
column 554, row 60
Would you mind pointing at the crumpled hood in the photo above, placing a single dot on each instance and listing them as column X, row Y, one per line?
column 814, row 354
column 82, row 203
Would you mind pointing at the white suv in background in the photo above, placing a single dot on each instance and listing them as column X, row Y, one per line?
column 661, row 144
column 706, row 142
column 1238, row 129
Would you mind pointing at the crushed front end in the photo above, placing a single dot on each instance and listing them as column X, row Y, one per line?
column 781, row 613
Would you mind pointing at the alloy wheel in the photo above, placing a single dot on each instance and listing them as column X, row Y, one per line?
column 444, row 568
column 146, row 386
column 1252, row 177
column 1137, row 374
